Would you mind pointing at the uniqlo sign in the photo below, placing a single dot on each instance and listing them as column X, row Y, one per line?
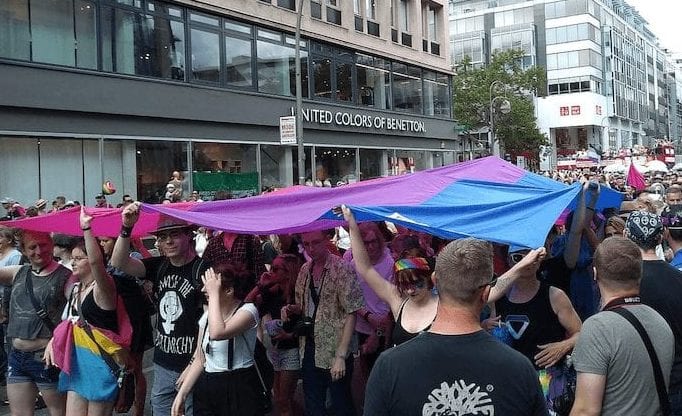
column 563, row 111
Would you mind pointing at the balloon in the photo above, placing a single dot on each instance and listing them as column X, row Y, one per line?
column 108, row 188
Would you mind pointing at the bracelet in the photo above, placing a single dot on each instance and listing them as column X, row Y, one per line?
column 86, row 228
column 366, row 315
column 125, row 231
column 590, row 208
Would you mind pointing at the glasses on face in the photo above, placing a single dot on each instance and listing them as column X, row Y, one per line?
column 491, row 283
column 170, row 234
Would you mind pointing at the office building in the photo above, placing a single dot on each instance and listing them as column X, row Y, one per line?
column 608, row 80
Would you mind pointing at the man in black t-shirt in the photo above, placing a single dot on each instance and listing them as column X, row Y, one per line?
column 456, row 367
column 176, row 285
column 661, row 285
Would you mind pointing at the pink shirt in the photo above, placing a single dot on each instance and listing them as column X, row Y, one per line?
column 372, row 302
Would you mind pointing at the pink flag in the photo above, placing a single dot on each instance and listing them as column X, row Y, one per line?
column 635, row 179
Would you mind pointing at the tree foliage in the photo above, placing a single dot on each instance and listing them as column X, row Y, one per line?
column 516, row 131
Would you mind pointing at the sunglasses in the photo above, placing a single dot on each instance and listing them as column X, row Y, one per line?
column 171, row 234
column 491, row 283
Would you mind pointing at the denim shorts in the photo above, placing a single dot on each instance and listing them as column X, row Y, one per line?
column 285, row 360
column 28, row 367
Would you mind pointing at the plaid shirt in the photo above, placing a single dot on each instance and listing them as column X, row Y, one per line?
column 216, row 252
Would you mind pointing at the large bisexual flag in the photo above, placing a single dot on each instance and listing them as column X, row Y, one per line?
column 486, row 198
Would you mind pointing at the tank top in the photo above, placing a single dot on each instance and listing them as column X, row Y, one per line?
column 543, row 324
column 90, row 311
column 400, row 334
column 24, row 322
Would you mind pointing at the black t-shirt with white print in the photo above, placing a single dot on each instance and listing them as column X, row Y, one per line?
column 179, row 300
column 473, row 374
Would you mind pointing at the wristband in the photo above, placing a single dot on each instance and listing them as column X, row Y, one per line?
column 125, row 231
column 86, row 228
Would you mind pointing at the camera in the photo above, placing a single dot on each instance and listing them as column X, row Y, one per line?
column 301, row 326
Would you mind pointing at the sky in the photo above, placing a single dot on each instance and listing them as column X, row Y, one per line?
column 664, row 20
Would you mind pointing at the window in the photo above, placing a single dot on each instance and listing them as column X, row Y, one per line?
column 407, row 87
column 205, row 55
column 344, row 81
column 142, row 45
column 403, row 15
column 14, row 30
column 436, row 94
column 238, row 60
column 373, row 81
column 322, row 77
column 277, row 68
column 333, row 13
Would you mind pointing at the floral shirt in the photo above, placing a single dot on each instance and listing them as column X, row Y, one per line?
column 340, row 295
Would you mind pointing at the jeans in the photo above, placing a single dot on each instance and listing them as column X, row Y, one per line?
column 163, row 392
column 316, row 381
column 675, row 397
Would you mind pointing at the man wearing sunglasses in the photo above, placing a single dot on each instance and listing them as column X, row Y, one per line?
column 177, row 282
column 456, row 367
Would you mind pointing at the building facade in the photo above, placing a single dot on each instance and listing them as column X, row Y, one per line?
column 129, row 91
column 608, row 82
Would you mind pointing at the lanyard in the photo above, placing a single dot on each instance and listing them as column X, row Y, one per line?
column 623, row 300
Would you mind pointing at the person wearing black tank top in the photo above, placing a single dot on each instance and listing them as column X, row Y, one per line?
column 88, row 382
column 412, row 302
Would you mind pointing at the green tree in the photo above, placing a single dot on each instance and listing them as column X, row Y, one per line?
column 516, row 131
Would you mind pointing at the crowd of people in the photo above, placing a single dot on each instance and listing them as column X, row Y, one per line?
column 372, row 318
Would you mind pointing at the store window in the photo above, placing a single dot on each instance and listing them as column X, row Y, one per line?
column 410, row 161
column 373, row 163
column 227, row 167
column 277, row 166
column 156, row 162
column 334, row 166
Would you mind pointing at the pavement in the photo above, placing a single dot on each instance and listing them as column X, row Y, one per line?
column 147, row 365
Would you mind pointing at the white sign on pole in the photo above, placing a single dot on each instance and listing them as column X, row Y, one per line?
column 287, row 130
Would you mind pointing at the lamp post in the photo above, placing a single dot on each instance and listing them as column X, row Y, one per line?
column 505, row 108
column 299, row 96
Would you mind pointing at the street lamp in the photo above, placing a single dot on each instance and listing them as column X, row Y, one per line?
column 505, row 108
column 299, row 96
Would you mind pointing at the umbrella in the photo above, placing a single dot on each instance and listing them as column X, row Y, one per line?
column 615, row 168
column 656, row 166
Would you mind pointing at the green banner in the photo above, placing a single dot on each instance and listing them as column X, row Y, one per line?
column 239, row 185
